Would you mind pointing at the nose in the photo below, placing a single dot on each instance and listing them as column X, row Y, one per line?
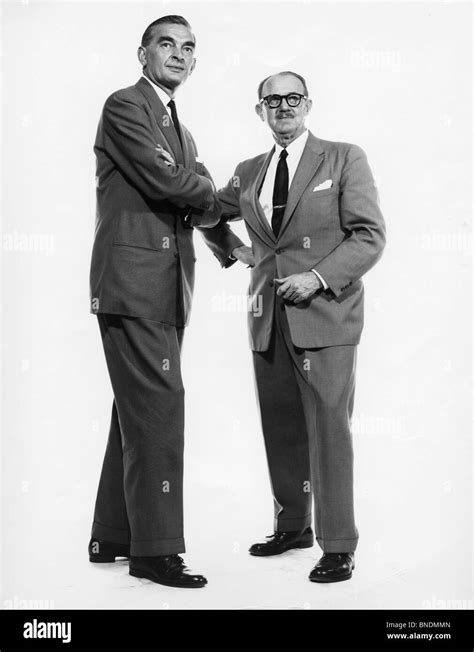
column 282, row 107
column 177, row 56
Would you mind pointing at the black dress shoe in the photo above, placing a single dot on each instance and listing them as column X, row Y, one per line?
column 165, row 569
column 279, row 542
column 103, row 552
column 333, row 567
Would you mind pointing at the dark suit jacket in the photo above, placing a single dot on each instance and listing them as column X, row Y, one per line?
column 339, row 231
column 143, row 255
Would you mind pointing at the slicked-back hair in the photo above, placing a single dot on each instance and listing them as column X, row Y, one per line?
column 284, row 72
column 164, row 20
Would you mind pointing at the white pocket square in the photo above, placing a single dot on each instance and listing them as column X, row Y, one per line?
column 323, row 185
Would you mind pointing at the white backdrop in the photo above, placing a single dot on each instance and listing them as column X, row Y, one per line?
column 392, row 78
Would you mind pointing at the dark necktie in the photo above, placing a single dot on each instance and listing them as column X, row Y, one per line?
column 280, row 192
column 174, row 117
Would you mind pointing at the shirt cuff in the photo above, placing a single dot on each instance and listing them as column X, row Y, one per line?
column 323, row 282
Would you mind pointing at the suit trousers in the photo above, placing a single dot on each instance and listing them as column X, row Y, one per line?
column 306, row 399
column 140, row 495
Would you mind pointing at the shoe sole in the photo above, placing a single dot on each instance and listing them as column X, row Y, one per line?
column 148, row 576
column 293, row 546
column 325, row 581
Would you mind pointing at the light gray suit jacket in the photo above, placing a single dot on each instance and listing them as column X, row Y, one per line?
column 338, row 231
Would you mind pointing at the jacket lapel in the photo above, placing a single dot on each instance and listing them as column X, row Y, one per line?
column 189, row 161
column 261, row 219
column 311, row 159
column 165, row 124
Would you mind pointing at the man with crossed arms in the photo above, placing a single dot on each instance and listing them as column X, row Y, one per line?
column 311, row 211
column 151, row 192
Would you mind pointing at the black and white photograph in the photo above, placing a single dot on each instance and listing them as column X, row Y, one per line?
column 237, row 322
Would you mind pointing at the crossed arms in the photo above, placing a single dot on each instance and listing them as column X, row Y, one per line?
column 131, row 143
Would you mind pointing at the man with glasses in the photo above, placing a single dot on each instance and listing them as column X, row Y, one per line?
column 311, row 211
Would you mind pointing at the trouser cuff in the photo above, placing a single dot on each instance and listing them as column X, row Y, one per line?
column 337, row 545
column 157, row 547
column 292, row 524
column 110, row 534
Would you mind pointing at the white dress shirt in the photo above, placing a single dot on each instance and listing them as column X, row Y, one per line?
column 163, row 95
column 295, row 151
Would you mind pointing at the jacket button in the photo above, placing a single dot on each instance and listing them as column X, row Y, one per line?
column 279, row 251
column 176, row 255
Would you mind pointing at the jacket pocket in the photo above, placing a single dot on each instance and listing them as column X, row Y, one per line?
column 144, row 230
column 316, row 194
column 133, row 246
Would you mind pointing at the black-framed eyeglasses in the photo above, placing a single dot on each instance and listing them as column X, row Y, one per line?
column 292, row 99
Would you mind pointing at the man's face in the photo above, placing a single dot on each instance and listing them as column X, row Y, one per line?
column 168, row 59
column 284, row 120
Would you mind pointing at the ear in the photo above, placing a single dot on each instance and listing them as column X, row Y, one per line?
column 141, row 54
column 259, row 112
column 193, row 65
column 309, row 105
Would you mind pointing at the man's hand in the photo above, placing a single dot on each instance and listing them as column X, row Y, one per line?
column 169, row 160
column 298, row 287
column 166, row 156
column 245, row 255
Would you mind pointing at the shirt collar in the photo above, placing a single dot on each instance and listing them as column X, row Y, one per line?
column 296, row 147
column 163, row 95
